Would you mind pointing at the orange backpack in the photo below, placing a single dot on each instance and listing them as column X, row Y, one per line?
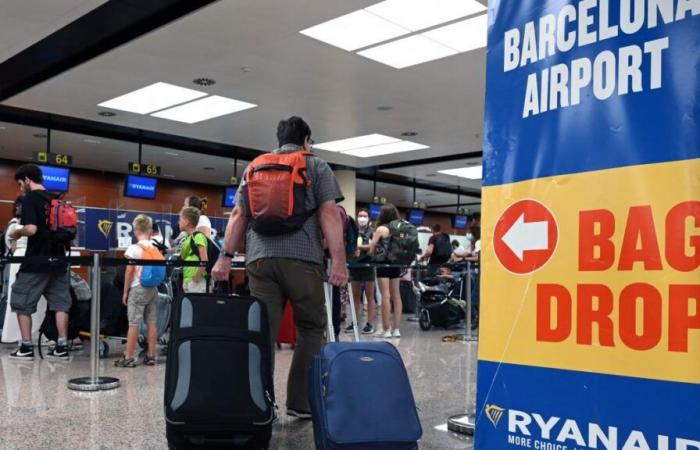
column 275, row 192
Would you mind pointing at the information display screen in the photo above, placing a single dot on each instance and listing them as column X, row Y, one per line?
column 374, row 210
column 230, row 197
column 415, row 216
column 459, row 222
column 56, row 178
column 140, row 187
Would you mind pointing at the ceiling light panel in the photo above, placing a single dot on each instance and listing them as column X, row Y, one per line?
column 420, row 14
column 152, row 98
column 344, row 145
column 462, row 36
column 386, row 149
column 204, row 109
column 408, row 52
column 355, row 30
column 471, row 173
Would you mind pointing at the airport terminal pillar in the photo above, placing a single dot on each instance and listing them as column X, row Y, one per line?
column 348, row 185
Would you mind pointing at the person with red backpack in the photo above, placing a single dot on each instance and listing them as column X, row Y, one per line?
column 49, row 224
column 284, row 210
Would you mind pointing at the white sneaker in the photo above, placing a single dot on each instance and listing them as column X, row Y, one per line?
column 387, row 334
column 397, row 334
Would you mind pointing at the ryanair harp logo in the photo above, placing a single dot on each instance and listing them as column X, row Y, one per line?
column 105, row 226
column 494, row 413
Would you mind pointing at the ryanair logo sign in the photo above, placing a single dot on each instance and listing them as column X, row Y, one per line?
column 494, row 414
column 105, row 226
column 541, row 432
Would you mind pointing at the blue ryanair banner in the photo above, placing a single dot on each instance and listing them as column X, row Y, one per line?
column 590, row 309
column 104, row 229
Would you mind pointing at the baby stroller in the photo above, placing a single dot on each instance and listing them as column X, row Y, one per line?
column 440, row 304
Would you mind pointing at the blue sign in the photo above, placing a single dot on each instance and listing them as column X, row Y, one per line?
column 56, row 178
column 104, row 229
column 140, row 187
column 230, row 197
column 374, row 210
column 415, row 216
column 459, row 222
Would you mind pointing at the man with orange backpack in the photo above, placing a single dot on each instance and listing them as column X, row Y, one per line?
column 141, row 292
column 285, row 209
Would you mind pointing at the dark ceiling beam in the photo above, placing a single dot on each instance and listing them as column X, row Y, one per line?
column 104, row 28
column 453, row 205
column 118, row 132
column 122, row 133
column 382, row 177
column 426, row 161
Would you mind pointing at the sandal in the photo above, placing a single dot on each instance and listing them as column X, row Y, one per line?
column 125, row 362
column 149, row 361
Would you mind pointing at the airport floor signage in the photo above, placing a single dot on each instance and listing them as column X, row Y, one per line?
column 590, row 308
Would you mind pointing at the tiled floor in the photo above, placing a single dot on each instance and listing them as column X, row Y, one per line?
column 37, row 411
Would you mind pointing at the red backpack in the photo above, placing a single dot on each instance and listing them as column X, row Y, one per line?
column 274, row 192
column 63, row 219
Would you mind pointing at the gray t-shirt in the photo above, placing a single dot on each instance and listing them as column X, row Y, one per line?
column 305, row 244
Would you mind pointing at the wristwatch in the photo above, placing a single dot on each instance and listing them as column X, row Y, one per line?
column 227, row 254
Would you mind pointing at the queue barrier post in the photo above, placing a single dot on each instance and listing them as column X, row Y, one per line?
column 94, row 382
column 466, row 423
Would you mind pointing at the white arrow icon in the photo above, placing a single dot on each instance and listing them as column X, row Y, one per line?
column 524, row 236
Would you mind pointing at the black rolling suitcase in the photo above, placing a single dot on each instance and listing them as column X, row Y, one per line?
column 218, row 378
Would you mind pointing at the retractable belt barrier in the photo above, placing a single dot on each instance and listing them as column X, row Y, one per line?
column 95, row 262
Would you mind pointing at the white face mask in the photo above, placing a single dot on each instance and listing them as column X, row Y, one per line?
column 363, row 221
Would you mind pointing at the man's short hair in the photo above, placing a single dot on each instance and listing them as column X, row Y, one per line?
column 31, row 171
column 191, row 215
column 455, row 243
column 142, row 224
column 293, row 131
column 435, row 227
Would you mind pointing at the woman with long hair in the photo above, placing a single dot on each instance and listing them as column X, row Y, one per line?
column 387, row 277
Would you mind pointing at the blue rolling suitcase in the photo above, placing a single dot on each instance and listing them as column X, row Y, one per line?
column 341, row 417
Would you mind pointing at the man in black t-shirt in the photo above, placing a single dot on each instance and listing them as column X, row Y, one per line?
column 439, row 249
column 37, row 279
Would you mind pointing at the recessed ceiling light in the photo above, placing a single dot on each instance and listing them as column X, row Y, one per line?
column 39, row 135
column 408, row 52
column 344, row 145
column 409, row 134
column 355, row 30
column 107, row 114
column 204, row 109
column 471, row 173
column 172, row 153
column 152, row 98
column 92, row 141
column 384, row 108
column 203, row 81
column 419, row 14
column 462, row 36
column 386, row 149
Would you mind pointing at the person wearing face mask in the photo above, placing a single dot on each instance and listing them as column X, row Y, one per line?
column 364, row 275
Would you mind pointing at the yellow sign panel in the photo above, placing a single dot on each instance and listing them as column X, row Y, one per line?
column 624, row 292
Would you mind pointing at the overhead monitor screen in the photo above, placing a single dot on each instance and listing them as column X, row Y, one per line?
column 374, row 210
column 459, row 222
column 56, row 178
column 415, row 216
column 140, row 187
column 230, row 197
